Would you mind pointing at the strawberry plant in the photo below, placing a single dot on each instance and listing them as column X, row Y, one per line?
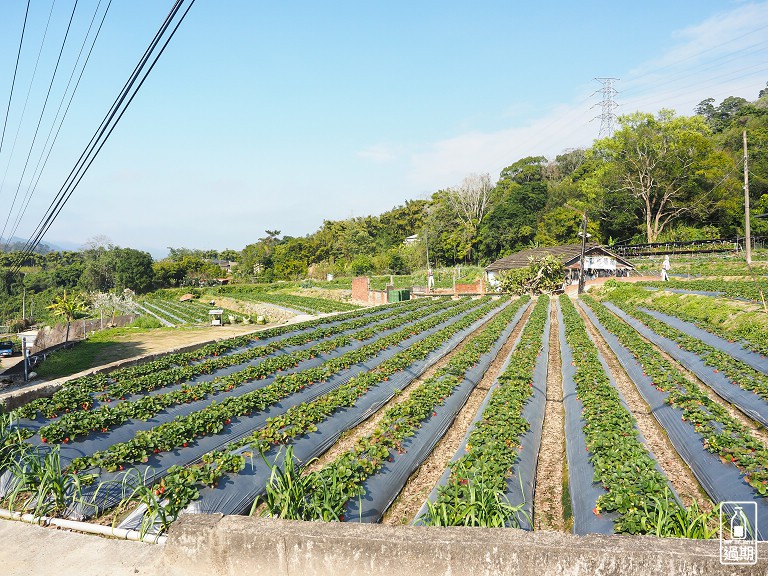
column 347, row 473
column 720, row 433
column 175, row 368
column 173, row 434
column 474, row 493
column 621, row 462
column 303, row 418
column 80, row 423
column 737, row 371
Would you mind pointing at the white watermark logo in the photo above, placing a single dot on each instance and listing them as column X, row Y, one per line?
column 738, row 533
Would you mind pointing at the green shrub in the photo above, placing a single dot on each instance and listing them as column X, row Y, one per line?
column 146, row 322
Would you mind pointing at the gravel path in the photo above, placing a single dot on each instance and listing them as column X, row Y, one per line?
column 548, row 513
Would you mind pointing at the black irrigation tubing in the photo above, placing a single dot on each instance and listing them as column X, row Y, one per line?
column 226, row 349
column 640, row 437
column 521, row 486
column 382, row 488
column 97, row 441
column 722, row 482
column 111, row 491
column 584, row 490
column 235, row 493
column 748, row 402
column 734, row 349
column 41, row 420
column 524, row 470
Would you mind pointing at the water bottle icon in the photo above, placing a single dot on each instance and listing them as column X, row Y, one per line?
column 738, row 524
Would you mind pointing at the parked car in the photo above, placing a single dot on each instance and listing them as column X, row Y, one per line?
column 6, row 348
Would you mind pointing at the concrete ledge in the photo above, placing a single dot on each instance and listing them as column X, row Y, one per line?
column 237, row 545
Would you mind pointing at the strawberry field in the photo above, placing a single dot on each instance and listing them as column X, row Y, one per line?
column 635, row 410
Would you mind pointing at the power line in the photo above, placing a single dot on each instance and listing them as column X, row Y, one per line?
column 672, row 64
column 26, row 100
column 105, row 129
column 40, row 120
column 38, row 171
column 15, row 70
column 695, row 71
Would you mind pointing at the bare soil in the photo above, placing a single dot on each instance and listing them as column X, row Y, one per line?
column 420, row 484
column 548, row 513
column 676, row 470
column 163, row 340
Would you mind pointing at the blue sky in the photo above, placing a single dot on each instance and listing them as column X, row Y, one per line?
column 279, row 115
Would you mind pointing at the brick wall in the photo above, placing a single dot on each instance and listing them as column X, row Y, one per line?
column 476, row 288
column 360, row 288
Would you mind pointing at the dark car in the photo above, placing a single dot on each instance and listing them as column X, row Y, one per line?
column 6, row 348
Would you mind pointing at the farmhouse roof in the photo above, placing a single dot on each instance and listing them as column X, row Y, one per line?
column 569, row 255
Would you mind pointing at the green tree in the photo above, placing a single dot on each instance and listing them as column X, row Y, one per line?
column 544, row 275
column 470, row 202
column 133, row 270
column 70, row 307
column 361, row 265
column 662, row 161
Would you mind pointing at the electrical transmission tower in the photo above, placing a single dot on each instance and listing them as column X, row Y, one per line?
column 607, row 106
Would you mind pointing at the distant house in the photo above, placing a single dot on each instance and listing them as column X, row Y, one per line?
column 598, row 261
column 225, row 265
column 411, row 240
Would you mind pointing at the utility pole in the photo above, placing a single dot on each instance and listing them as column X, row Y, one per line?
column 607, row 106
column 429, row 270
column 747, row 232
column 26, row 358
column 583, row 248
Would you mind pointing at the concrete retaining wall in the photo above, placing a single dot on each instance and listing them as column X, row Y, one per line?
column 236, row 545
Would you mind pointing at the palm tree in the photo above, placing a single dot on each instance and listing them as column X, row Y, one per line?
column 69, row 307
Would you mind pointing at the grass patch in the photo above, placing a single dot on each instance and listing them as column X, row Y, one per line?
column 103, row 346
column 566, row 496
column 65, row 362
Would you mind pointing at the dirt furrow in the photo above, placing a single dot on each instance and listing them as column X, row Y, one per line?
column 420, row 484
column 676, row 470
column 348, row 438
column 548, row 512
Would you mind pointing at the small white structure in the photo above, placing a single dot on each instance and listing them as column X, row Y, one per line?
column 598, row 262
column 216, row 315
column 411, row 240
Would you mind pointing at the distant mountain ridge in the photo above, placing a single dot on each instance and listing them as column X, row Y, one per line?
column 16, row 243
